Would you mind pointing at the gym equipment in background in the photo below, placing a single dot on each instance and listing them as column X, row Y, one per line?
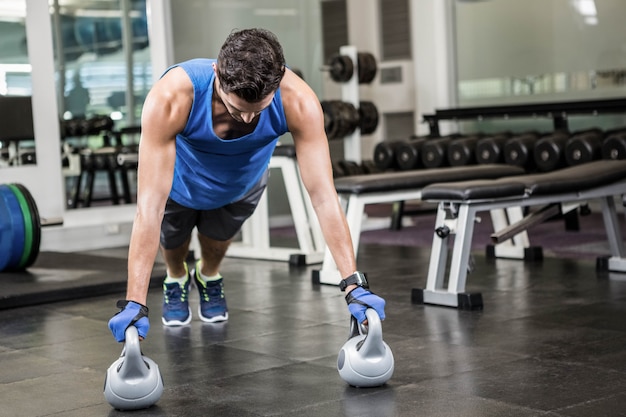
column 133, row 381
column 365, row 360
column 341, row 67
column 20, row 228
column 584, row 147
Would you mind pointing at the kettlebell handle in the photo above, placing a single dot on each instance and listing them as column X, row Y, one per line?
column 357, row 329
column 132, row 338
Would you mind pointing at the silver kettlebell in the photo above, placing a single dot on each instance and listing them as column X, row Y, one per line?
column 365, row 360
column 133, row 381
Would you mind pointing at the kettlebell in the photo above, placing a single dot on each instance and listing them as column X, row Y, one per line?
column 133, row 381
column 365, row 360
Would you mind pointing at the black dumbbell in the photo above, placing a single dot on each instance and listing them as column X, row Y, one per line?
column 385, row 154
column 368, row 166
column 518, row 150
column 614, row 146
column 549, row 151
column 350, row 167
column 584, row 147
column 434, row 152
column 461, row 151
column 409, row 153
column 490, row 149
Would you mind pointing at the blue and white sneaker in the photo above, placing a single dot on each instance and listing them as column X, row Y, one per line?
column 176, row 310
column 212, row 306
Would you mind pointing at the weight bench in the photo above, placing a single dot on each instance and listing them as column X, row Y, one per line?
column 355, row 192
column 557, row 192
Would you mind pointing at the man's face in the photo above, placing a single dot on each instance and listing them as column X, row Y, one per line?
column 241, row 110
column 238, row 108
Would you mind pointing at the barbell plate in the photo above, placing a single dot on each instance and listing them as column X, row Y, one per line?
column 6, row 235
column 28, row 227
column 16, row 219
column 36, row 226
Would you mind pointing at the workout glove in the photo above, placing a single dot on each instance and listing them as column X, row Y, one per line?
column 131, row 313
column 360, row 299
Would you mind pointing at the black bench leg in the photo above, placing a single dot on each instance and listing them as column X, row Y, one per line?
column 396, row 215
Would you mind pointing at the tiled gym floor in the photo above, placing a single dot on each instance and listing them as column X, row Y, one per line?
column 551, row 341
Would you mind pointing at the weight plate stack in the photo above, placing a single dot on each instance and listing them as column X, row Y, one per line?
column 20, row 228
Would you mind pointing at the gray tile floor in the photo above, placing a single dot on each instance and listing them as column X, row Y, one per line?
column 551, row 341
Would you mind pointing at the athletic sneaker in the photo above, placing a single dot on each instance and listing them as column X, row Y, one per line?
column 212, row 306
column 176, row 310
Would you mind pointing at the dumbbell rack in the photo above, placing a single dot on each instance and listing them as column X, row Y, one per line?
column 557, row 111
column 518, row 247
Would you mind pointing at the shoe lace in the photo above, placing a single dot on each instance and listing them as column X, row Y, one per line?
column 212, row 292
column 174, row 294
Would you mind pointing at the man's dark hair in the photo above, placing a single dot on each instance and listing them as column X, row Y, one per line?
column 251, row 64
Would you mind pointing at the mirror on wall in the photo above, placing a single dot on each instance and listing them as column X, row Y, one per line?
column 17, row 143
column 511, row 51
column 103, row 73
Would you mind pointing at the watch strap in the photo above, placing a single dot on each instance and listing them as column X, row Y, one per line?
column 357, row 278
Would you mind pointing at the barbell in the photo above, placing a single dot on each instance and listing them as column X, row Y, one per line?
column 341, row 67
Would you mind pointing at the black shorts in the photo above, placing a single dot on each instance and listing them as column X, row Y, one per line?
column 220, row 224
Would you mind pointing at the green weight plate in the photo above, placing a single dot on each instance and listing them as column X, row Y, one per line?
column 6, row 235
column 28, row 226
column 36, row 226
column 16, row 218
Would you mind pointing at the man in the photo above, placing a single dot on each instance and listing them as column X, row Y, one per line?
column 209, row 128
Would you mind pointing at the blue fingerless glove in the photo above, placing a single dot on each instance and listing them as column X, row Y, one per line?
column 360, row 299
column 131, row 313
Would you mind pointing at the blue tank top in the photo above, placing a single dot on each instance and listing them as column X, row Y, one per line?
column 211, row 172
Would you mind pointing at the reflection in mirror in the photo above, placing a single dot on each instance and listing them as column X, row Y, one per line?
column 17, row 142
column 103, row 74
column 539, row 50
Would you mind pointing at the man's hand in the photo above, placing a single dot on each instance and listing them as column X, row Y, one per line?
column 131, row 313
column 360, row 299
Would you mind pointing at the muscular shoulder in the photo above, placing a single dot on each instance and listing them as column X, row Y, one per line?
column 300, row 102
column 170, row 99
column 175, row 84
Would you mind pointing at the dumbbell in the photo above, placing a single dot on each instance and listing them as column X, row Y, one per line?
column 614, row 146
column 350, row 167
column 490, row 150
column 338, row 171
column 409, row 153
column 584, row 147
column 368, row 166
column 434, row 152
column 385, row 154
column 549, row 151
column 518, row 150
column 460, row 151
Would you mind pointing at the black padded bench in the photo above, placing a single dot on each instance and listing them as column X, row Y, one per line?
column 357, row 191
column 556, row 192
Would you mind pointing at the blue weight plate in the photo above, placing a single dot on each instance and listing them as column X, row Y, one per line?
column 19, row 229
column 9, row 247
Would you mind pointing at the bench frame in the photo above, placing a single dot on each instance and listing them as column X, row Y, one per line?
column 459, row 218
column 255, row 232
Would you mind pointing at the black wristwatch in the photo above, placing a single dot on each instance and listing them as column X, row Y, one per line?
column 358, row 278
